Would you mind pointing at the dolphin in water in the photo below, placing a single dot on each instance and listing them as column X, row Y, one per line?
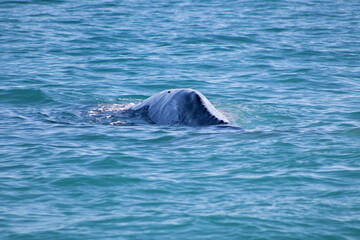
column 180, row 106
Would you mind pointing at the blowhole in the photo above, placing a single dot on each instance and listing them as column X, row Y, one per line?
column 169, row 91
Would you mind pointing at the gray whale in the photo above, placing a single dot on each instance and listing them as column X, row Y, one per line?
column 180, row 106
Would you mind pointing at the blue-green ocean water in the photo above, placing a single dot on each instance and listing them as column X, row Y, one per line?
column 288, row 72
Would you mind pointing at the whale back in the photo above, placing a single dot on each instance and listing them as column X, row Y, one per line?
column 181, row 106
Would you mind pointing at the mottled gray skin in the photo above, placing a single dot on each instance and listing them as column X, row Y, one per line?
column 180, row 106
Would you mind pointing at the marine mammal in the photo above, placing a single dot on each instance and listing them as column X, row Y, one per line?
column 180, row 106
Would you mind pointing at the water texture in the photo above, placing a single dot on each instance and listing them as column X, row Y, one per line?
column 288, row 72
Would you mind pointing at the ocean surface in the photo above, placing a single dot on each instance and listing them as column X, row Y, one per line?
column 286, row 71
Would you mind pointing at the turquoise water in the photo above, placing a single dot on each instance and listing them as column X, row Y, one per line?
column 288, row 72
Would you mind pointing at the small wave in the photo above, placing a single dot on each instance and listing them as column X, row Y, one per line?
column 24, row 96
column 235, row 39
